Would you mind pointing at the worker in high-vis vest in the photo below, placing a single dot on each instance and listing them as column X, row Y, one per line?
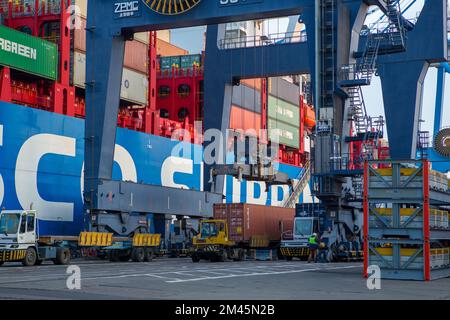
column 313, row 244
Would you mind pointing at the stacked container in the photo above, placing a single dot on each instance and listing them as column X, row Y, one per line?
column 284, row 112
column 247, row 106
column 135, row 74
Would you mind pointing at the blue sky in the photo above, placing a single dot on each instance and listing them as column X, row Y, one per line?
column 192, row 40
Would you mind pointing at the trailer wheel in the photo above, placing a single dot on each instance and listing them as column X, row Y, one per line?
column 124, row 257
column 62, row 256
column 114, row 255
column 195, row 258
column 148, row 254
column 138, row 255
column 30, row 257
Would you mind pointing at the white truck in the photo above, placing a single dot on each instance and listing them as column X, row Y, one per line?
column 20, row 241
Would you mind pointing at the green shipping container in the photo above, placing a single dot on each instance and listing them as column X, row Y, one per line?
column 284, row 111
column 166, row 63
column 288, row 135
column 188, row 61
column 23, row 52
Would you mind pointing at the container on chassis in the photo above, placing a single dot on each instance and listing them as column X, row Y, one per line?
column 249, row 221
column 240, row 231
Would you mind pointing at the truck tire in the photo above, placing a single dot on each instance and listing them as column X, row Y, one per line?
column 148, row 256
column 62, row 256
column 114, row 255
column 138, row 255
column 30, row 257
column 289, row 258
column 195, row 258
column 223, row 256
column 124, row 257
column 1, row 263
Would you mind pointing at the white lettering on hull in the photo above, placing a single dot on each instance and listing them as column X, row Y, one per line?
column 27, row 172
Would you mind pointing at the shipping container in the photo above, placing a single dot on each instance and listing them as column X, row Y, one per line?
column 134, row 84
column 246, row 221
column 82, row 5
column 136, row 52
column 279, row 87
column 166, row 49
column 134, row 87
column 143, row 37
column 30, row 54
column 242, row 119
column 79, row 36
column 288, row 135
column 247, row 98
column 136, row 56
column 167, row 63
column 284, row 111
column 190, row 60
column 252, row 83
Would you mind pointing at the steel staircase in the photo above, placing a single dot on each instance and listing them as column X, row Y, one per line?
column 302, row 181
column 361, row 73
column 395, row 33
column 358, row 112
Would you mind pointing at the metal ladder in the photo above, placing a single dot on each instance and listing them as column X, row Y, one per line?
column 358, row 110
column 328, row 63
column 395, row 31
column 303, row 180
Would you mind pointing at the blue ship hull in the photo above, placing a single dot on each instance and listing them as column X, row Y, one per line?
column 41, row 165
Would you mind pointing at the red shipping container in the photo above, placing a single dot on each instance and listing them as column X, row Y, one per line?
column 242, row 119
column 249, row 220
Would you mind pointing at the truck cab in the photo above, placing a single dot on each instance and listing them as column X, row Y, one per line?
column 304, row 227
column 17, row 234
column 212, row 243
column 19, row 240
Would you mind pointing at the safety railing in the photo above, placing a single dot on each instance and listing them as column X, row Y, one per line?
column 259, row 41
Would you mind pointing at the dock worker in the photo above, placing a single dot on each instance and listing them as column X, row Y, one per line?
column 313, row 245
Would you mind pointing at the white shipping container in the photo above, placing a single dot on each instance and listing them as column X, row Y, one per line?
column 307, row 143
column 134, row 87
column 134, row 84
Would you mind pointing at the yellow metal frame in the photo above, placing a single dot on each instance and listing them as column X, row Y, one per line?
column 12, row 255
column 146, row 240
column 95, row 239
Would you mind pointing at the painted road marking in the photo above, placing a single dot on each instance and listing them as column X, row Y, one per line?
column 261, row 274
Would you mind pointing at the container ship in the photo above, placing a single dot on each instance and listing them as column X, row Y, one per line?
column 42, row 108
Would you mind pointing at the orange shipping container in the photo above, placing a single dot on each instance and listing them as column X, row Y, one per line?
column 136, row 56
column 165, row 49
column 249, row 220
column 245, row 120
column 252, row 83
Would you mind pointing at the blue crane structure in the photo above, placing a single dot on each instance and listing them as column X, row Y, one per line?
column 331, row 54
